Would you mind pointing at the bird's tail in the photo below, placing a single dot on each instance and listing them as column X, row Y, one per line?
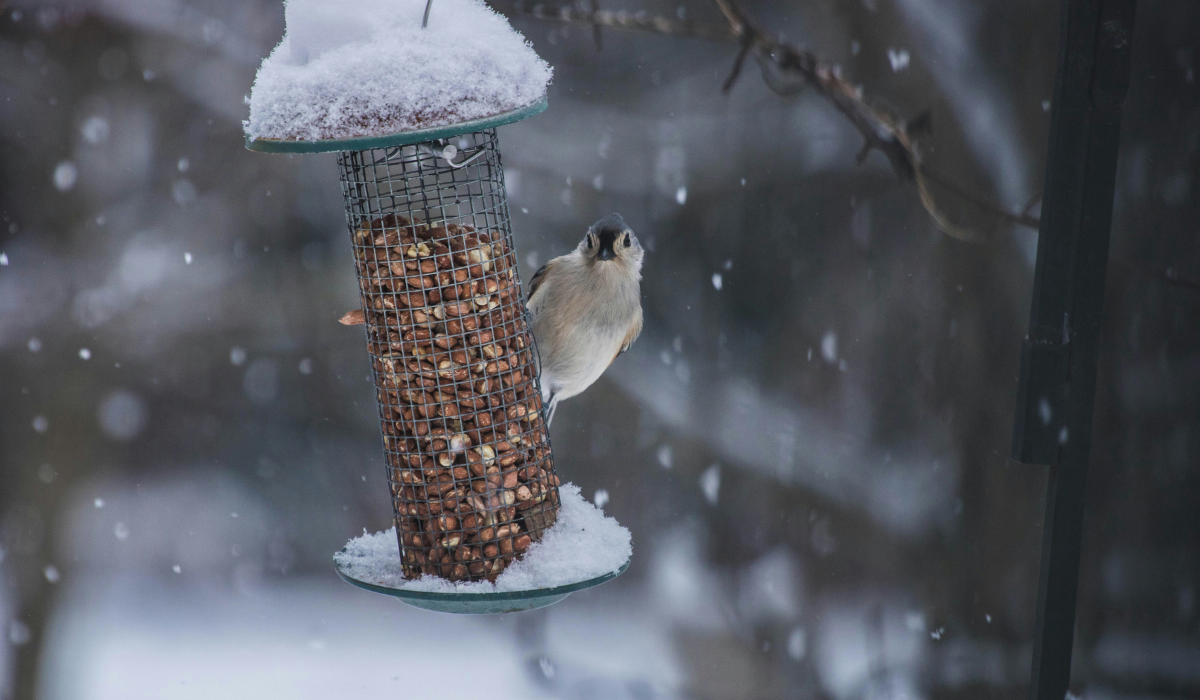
column 550, row 407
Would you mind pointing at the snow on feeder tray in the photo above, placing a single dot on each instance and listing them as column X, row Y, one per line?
column 469, row 463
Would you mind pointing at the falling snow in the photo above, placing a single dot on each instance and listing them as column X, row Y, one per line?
column 122, row 415
column 797, row 644
column 829, row 347
column 899, row 59
column 710, row 483
column 65, row 175
column 95, row 129
column 19, row 633
column 665, row 456
column 1044, row 411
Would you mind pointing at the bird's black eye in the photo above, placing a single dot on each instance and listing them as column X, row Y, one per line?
column 627, row 241
column 589, row 241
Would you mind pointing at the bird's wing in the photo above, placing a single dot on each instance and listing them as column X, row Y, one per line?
column 634, row 331
column 538, row 278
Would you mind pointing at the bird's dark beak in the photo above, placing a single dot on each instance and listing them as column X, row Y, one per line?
column 607, row 239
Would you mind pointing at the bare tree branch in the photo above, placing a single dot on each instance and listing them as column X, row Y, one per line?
column 596, row 28
column 737, row 66
column 880, row 131
column 619, row 19
column 1033, row 202
column 1168, row 276
column 1022, row 219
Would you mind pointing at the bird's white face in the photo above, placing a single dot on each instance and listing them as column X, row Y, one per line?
column 611, row 240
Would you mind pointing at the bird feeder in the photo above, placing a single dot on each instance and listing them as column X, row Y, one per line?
column 469, row 462
column 411, row 108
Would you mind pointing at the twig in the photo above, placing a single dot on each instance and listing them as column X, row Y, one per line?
column 1170, row 276
column 1033, row 202
column 596, row 28
column 880, row 131
column 1022, row 219
column 618, row 19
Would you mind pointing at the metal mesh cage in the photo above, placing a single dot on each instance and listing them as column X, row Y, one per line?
column 468, row 454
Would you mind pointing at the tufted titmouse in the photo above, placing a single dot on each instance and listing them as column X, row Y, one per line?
column 586, row 308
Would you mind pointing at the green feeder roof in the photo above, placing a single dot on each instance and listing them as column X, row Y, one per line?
column 401, row 138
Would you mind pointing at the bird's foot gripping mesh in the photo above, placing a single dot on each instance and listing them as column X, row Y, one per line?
column 468, row 455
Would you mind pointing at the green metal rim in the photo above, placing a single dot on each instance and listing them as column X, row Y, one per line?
column 468, row 598
column 403, row 138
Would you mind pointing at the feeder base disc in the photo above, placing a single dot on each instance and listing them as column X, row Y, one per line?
column 483, row 603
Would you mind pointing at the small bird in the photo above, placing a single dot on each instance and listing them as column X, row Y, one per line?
column 586, row 308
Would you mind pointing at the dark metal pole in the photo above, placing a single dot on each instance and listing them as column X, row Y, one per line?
column 1057, row 389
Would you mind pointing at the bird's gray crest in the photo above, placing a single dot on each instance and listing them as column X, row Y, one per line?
column 613, row 222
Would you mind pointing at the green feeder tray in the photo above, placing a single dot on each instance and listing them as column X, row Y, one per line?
column 482, row 603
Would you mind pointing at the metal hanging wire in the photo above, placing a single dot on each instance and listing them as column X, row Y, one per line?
column 468, row 454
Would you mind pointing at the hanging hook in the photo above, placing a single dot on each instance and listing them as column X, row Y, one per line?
column 449, row 151
column 425, row 19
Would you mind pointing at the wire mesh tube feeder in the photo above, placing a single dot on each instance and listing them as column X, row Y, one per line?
column 469, row 462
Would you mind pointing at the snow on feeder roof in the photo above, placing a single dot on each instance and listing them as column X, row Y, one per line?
column 351, row 70
column 470, row 470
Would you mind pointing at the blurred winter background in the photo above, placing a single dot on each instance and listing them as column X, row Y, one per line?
column 809, row 442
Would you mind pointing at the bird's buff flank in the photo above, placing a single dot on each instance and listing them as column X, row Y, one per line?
column 586, row 308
